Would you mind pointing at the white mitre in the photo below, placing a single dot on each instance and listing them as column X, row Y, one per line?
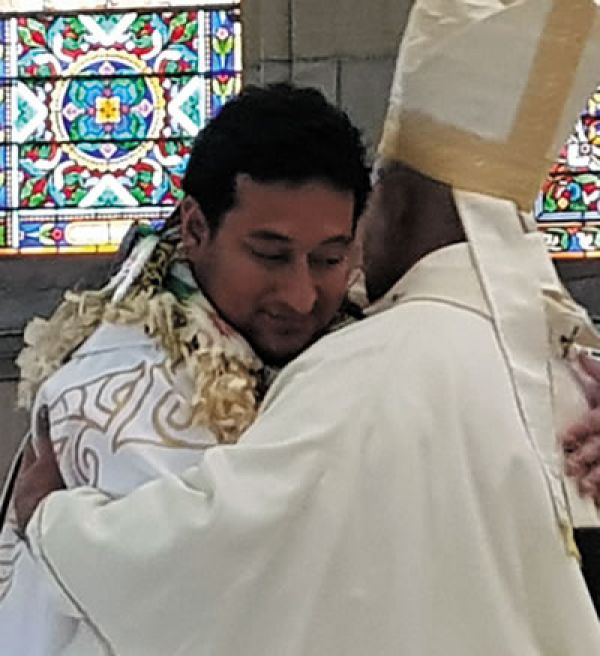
column 485, row 94
column 487, row 91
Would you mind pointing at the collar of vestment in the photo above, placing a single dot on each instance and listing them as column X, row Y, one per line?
column 443, row 275
column 448, row 275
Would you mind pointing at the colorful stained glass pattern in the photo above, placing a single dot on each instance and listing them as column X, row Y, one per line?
column 568, row 208
column 98, row 112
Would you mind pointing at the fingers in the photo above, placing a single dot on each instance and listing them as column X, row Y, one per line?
column 589, row 453
column 579, row 433
column 591, row 366
column 42, row 421
column 581, row 461
column 43, row 440
column 581, row 444
column 40, row 474
column 589, row 485
column 29, row 456
column 588, row 373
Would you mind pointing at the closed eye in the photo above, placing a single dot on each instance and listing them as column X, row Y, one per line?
column 270, row 257
column 326, row 262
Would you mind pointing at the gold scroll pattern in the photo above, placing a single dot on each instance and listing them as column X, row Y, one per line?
column 139, row 405
column 110, row 421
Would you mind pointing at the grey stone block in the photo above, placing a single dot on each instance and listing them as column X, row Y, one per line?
column 266, row 30
column 581, row 279
column 11, row 343
column 321, row 74
column 364, row 93
column 268, row 73
column 357, row 28
column 14, row 424
column 32, row 286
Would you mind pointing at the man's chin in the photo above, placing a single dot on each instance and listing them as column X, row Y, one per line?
column 279, row 352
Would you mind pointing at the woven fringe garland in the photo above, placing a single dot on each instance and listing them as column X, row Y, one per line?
column 225, row 377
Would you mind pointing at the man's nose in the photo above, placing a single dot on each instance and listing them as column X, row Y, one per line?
column 299, row 291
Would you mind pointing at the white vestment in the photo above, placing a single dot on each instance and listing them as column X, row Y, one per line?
column 120, row 416
column 387, row 501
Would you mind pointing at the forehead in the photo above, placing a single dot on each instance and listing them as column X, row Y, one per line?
column 307, row 212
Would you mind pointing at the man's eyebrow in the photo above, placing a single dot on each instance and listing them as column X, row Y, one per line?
column 276, row 237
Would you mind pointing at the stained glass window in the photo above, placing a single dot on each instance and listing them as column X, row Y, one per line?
column 98, row 111
column 568, row 208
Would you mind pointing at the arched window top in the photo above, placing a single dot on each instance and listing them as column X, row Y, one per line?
column 98, row 110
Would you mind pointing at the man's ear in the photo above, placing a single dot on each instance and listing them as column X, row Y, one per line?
column 195, row 231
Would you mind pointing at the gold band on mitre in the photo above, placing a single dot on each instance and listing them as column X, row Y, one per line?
column 511, row 165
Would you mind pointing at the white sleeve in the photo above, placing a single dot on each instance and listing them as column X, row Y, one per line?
column 182, row 542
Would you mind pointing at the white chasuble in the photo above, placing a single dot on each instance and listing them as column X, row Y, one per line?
column 120, row 416
column 387, row 501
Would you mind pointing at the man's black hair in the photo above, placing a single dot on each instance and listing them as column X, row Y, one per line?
column 279, row 133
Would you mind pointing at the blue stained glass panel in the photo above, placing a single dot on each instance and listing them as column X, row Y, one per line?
column 224, row 41
column 98, row 112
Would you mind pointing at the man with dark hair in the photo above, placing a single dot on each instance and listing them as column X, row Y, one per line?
column 173, row 355
column 401, row 491
column 265, row 148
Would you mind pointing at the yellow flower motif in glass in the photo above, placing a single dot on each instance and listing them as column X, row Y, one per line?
column 98, row 113
column 108, row 110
